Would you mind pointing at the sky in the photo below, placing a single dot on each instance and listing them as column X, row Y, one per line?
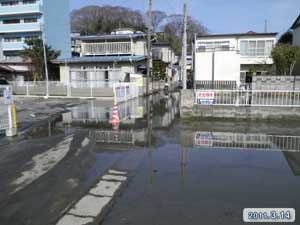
column 220, row 16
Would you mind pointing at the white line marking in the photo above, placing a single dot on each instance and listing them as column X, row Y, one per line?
column 85, row 142
column 116, row 172
column 113, row 177
column 106, row 188
column 90, row 206
column 73, row 220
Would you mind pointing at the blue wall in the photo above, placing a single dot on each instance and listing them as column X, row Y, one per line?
column 57, row 25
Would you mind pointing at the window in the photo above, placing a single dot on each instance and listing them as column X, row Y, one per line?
column 269, row 47
column 9, row 3
column 25, row 2
column 106, row 76
column 215, row 45
column 260, row 48
column 11, row 21
column 30, row 20
column 12, row 39
column 244, row 45
column 256, row 48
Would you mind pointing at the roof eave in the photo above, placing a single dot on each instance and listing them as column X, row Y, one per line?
column 296, row 24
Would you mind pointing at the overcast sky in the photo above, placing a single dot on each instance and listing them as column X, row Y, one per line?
column 221, row 16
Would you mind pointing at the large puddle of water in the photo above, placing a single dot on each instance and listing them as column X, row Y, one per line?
column 182, row 172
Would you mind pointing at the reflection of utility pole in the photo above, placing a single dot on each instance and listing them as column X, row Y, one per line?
column 183, row 162
column 49, row 128
column 149, row 139
column 184, row 46
column 149, row 60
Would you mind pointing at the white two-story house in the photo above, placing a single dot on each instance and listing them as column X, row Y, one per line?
column 233, row 57
column 105, row 59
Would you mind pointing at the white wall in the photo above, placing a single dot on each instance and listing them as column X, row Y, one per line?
column 203, row 66
column 227, row 66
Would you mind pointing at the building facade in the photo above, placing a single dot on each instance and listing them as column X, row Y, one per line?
column 21, row 20
column 106, row 58
column 25, row 19
column 233, row 57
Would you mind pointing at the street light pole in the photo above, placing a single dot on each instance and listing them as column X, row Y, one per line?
column 45, row 63
column 149, row 58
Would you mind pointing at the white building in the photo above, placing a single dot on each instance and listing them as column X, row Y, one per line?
column 106, row 59
column 232, row 57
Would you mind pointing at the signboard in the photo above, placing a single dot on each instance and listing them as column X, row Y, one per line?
column 204, row 139
column 205, row 97
column 7, row 94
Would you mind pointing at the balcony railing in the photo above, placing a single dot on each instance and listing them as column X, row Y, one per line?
column 20, row 27
column 111, row 48
column 20, row 9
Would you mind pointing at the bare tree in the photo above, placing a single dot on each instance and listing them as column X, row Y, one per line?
column 157, row 18
column 174, row 27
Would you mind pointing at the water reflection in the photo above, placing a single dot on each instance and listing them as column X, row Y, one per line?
column 287, row 144
column 228, row 140
column 138, row 118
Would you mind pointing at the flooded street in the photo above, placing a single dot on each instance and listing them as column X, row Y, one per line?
column 177, row 171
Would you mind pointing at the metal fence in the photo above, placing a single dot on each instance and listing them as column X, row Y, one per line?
column 88, row 89
column 248, row 98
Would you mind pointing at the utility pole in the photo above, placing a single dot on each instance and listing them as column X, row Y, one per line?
column 184, row 47
column 149, row 60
